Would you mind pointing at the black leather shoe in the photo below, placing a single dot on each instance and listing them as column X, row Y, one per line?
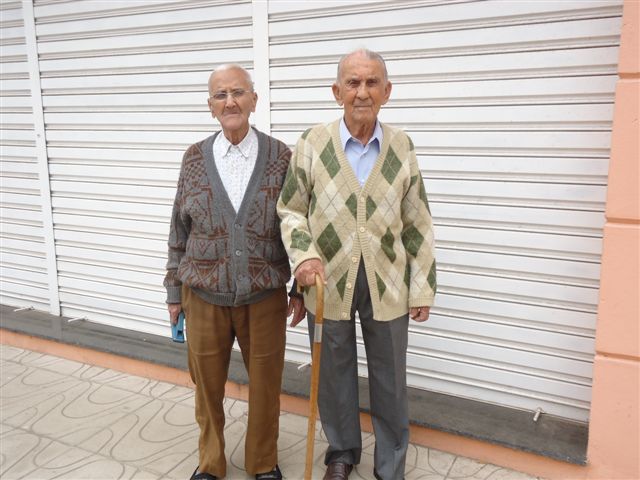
column 202, row 475
column 337, row 471
column 274, row 474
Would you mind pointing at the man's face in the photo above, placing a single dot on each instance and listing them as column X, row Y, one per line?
column 361, row 90
column 232, row 112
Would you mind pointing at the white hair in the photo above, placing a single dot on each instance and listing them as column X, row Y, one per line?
column 371, row 55
column 232, row 66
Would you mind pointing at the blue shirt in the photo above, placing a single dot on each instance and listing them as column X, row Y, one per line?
column 361, row 157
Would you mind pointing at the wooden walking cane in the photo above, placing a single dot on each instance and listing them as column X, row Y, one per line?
column 315, row 377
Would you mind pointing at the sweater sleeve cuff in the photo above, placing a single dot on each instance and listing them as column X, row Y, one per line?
column 422, row 301
column 174, row 294
column 310, row 255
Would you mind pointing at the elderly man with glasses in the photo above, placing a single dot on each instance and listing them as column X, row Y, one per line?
column 227, row 270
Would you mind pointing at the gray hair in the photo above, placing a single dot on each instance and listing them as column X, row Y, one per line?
column 369, row 54
column 232, row 66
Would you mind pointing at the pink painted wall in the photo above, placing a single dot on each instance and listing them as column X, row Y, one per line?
column 614, row 427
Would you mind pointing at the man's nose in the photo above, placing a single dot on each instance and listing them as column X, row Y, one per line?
column 363, row 91
column 229, row 101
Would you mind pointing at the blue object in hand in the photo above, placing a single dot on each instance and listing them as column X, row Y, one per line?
column 177, row 330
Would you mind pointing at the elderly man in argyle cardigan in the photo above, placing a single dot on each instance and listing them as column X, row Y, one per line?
column 228, row 269
column 354, row 210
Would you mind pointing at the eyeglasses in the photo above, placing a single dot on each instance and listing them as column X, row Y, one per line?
column 235, row 94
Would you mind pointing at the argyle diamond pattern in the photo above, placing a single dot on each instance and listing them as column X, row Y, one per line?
column 412, row 240
column 300, row 240
column 391, row 166
column 329, row 159
column 329, row 242
column 386, row 242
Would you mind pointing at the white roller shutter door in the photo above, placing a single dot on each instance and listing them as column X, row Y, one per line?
column 23, row 264
column 124, row 88
column 509, row 105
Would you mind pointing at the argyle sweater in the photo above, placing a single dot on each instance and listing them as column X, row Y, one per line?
column 227, row 259
column 325, row 214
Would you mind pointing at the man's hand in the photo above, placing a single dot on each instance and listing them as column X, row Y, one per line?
column 296, row 306
column 174, row 311
column 419, row 314
column 306, row 272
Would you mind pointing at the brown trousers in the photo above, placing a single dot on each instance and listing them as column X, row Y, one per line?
column 260, row 330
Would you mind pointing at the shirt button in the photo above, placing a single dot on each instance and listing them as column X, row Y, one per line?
column 348, row 285
column 361, row 229
column 238, row 253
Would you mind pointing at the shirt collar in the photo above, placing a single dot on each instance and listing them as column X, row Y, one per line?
column 345, row 135
column 244, row 146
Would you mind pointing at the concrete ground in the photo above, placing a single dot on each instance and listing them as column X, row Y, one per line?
column 68, row 420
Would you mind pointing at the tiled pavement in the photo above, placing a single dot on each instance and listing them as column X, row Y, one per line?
column 68, row 420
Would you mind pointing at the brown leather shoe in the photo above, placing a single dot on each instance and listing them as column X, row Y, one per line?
column 337, row 471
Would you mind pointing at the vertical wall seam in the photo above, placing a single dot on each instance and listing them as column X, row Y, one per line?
column 261, row 77
column 41, row 155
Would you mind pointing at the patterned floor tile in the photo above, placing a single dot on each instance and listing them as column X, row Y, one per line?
column 435, row 461
column 8, row 352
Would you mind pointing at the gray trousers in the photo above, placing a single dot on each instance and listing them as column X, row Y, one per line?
column 386, row 347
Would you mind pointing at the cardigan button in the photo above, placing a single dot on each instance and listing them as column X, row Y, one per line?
column 362, row 229
column 349, row 285
column 238, row 253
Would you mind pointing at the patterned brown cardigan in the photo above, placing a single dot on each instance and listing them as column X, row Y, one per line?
column 227, row 259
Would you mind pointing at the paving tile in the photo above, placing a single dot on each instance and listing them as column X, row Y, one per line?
column 506, row 474
column 183, row 469
column 4, row 429
column 155, row 437
column 467, row 468
column 10, row 370
column 15, row 445
column 131, row 383
column 21, row 381
column 24, row 404
column 236, row 409
column 178, row 394
column 92, row 372
column 419, row 474
column 85, row 407
column 59, row 365
column 8, row 352
column 431, row 460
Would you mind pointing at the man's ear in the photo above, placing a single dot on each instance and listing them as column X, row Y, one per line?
column 387, row 92
column 255, row 101
column 335, row 88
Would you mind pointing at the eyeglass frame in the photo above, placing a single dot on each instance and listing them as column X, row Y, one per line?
column 236, row 94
